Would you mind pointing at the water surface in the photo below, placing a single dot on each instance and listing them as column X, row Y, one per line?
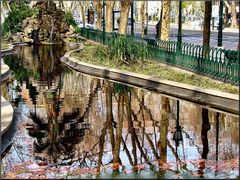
column 77, row 123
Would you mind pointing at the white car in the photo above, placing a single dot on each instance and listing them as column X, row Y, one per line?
column 80, row 24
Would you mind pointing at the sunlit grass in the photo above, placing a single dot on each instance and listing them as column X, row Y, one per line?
column 95, row 55
column 4, row 46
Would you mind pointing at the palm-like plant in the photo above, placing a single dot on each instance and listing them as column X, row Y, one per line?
column 127, row 50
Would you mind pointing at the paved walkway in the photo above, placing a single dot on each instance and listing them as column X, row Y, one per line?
column 189, row 26
column 6, row 107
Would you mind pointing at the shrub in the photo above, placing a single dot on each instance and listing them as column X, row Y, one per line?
column 68, row 18
column 127, row 50
column 19, row 12
column 121, row 88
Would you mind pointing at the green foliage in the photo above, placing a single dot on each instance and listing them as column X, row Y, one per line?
column 101, row 52
column 154, row 69
column 121, row 88
column 127, row 50
column 22, row 74
column 68, row 18
column 19, row 12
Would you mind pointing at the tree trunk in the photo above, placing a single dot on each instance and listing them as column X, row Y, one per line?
column 109, row 113
column 125, row 7
column 142, row 16
column 207, row 21
column 101, row 147
column 205, row 128
column 61, row 5
column 119, row 129
column 109, row 15
column 98, row 6
column 82, row 9
column 159, row 29
column 131, row 130
column 164, row 128
column 6, row 5
column 234, row 15
column 225, row 18
column 165, row 20
column 138, row 18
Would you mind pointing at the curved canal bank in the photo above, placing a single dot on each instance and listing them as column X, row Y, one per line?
column 6, row 108
column 212, row 98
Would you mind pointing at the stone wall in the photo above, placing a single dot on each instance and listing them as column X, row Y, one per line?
column 48, row 27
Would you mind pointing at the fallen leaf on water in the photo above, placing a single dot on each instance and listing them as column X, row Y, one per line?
column 10, row 175
column 20, row 171
column 23, row 176
column 177, row 176
column 81, row 171
column 140, row 166
column 33, row 166
column 115, row 166
column 42, row 177
column 42, row 163
column 127, row 171
column 37, row 176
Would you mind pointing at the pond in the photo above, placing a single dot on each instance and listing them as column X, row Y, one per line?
column 72, row 125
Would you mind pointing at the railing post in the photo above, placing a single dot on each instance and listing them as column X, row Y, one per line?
column 220, row 23
column 103, row 21
column 179, row 36
column 219, row 64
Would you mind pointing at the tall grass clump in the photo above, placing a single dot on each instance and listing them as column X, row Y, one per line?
column 127, row 51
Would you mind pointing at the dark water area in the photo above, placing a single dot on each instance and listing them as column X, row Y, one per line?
column 82, row 126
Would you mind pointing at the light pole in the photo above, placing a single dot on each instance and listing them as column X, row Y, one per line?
column 103, row 21
column 177, row 136
column 146, row 28
column 179, row 36
column 132, row 27
column 220, row 23
column 217, row 134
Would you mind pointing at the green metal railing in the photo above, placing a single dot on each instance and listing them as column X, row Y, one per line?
column 219, row 64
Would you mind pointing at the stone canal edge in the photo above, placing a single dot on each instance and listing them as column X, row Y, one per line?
column 7, row 110
column 212, row 99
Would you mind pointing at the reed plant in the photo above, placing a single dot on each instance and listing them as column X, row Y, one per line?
column 126, row 50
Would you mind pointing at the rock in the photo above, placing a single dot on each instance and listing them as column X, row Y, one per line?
column 27, row 30
column 27, row 40
column 71, row 28
column 35, row 27
column 69, row 33
column 15, row 39
column 49, row 24
column 65, row 40
column 24, row 23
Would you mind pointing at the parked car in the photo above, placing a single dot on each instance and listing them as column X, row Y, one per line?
column 80, row 24
column 129, row 22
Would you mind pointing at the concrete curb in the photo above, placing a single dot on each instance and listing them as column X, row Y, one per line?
column 222, row 101
column 5, row 71
column 8, row 51
column 6, row 108
column 6, row 115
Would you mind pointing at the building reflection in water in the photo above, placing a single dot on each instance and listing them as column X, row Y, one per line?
column 93, row 122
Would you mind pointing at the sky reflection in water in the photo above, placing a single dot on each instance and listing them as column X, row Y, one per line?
column 73, row 119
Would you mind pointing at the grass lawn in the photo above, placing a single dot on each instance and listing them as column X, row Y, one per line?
column 93, row 54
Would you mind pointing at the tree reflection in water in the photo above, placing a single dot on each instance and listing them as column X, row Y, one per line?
column 95, row 123
column 125, row 133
